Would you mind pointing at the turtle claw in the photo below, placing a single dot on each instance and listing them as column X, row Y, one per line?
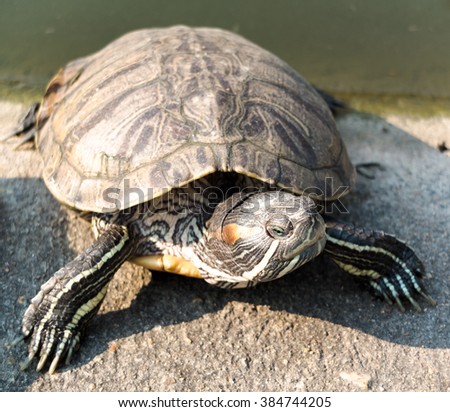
column 428, row 298
column 53, row 342
column 26, row 364
column 400, row 304
column 395, row 288
column 18, row 340
column 415, row 304
column 51, row 336
column 41, row 362
column 54, row 365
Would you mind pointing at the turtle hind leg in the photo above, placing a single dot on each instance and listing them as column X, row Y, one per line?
column 26, row 128
column 59, row 313
column 390, row 266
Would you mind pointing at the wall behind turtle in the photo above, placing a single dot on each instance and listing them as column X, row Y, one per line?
column 355, row 47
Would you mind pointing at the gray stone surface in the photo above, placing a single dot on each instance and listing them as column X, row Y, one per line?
column 311, row 331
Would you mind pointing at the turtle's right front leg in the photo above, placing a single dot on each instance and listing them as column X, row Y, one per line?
column 59, row 313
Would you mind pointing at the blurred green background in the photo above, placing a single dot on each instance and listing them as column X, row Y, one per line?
column 386, row 52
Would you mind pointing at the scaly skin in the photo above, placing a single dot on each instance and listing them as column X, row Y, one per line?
column 59, row 313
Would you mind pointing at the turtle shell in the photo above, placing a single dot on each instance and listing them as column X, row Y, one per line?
column 159, row 108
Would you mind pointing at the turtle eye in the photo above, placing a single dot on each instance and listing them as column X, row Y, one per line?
column 279, row 227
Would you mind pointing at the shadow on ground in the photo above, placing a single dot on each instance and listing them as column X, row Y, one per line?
column 317, row 322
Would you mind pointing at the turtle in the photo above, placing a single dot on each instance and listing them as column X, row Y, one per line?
column 197, row 152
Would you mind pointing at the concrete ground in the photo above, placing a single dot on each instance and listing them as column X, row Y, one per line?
column 314, row 330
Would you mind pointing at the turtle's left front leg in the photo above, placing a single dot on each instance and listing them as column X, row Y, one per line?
column 59, row 313
column 389, row 265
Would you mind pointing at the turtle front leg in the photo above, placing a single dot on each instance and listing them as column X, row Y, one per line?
column 389, row 265
column 59, row 313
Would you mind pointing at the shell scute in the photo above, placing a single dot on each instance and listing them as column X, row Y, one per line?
column 159, row 108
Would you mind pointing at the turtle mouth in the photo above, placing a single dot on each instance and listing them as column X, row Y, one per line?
column 305, row 255
column 312, row 251
column 313, row 241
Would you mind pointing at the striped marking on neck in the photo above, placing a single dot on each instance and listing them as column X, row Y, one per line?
column 289, row 267
column 251, row 274
column 214, row 275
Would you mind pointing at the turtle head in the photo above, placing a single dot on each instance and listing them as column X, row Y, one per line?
column 259, row 237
